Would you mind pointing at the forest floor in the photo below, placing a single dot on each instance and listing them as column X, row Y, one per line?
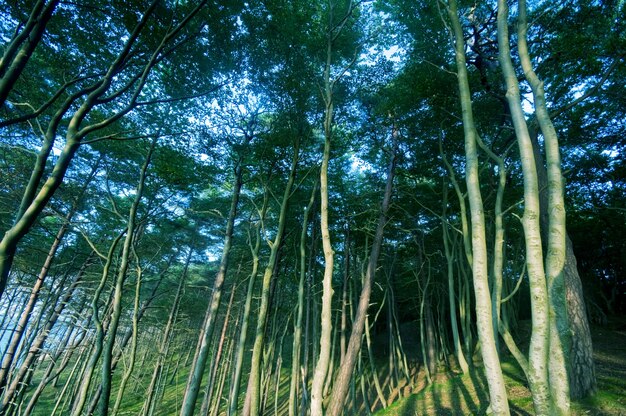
column 456, row 394
column 450, row 393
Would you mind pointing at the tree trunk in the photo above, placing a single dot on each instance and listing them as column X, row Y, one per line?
column 149, row 403
column 458, row 350
column 484, row 318
column 342, row 381
column 216, row 363
column 21, row 47
column 297, row 335
column 556, row 246
column 254, row 386
column 321, row 367
column 134, row 335
column 539, row 348
column 245, row 320
column 202, row 351
column 116, row 313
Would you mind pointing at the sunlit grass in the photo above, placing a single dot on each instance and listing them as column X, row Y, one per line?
column 450, row 393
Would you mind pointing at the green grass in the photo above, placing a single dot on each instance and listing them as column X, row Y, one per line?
column 453, row 394
column 450, row 393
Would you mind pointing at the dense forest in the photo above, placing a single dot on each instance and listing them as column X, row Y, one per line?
column 312, row 207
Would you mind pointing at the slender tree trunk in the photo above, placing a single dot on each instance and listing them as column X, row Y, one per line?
column 430, row 341
column 342, row 381
column 307, row 325
column 321, row 367
column 216, row 364
column 557, row 233
column 344, row 295
column 222, row 381
column 540, row 339
column 243, row 333
column 116, row 313
column 21, row 47
column 424, row 341
column 149, row 403
column 202, row 351
column 134, row 334
column 498, row 242
column 297, row 336
column 484, row 318
column 331, row 364
column 401, row 356
column 372, row 363
column 254, row 387
column 458, row 350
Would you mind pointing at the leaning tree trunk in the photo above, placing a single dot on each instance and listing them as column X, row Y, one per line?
column 254, row 382
column 484, row 318
column 149, row 403
column 202, row 351
column 245, row 319
column 116, row 313
column 19, row 50
column 134, row 335
column 216, row 364
column 342, row 381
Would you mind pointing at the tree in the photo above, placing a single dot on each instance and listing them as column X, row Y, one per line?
column 493, row 371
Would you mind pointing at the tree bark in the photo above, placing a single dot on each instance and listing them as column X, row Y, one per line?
column 556, row 245
column 202, row 351
column 18, row 51
column 458, row 351
column 342, row 381
column 540, row 338
column 254, row 386
column 297, row 336
column 149, row 403
column 484, row 317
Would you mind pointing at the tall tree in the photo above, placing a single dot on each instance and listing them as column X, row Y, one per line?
column 484, row 317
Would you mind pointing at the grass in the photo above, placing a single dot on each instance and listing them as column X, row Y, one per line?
column 450, row 393
column 455, row 394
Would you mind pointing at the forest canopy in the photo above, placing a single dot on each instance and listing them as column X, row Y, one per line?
column 310, row 207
